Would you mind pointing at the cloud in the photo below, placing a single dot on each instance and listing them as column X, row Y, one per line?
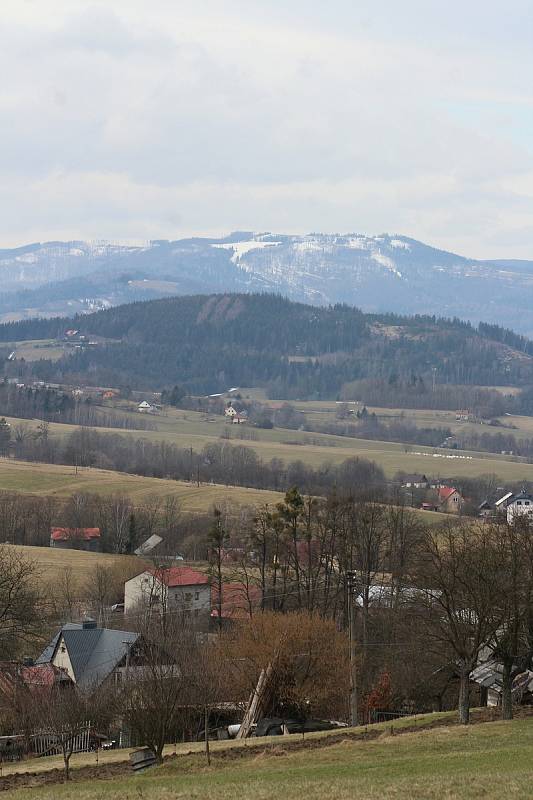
column 163, row 119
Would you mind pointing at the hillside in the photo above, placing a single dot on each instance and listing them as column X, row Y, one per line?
column 489, row 760
column 377, row 273
column 207, row 343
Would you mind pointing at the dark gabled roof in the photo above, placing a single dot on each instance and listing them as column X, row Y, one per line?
column 94, row 652
column 521, row 496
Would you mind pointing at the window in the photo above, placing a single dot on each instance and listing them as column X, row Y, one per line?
column 197, row 595
column 188, row 597
column 518, row 502
column 526, row 502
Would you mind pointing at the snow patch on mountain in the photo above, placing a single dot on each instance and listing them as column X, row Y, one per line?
column 241, row 248
column 387, row 262
column 400, row 244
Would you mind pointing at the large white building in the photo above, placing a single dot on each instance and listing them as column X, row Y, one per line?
column 520, row 505
column 180, row 588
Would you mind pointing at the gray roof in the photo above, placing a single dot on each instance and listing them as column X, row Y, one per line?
column 521, row 496
column 94, row 652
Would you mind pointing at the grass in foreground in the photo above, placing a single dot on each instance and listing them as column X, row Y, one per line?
column 491, row 760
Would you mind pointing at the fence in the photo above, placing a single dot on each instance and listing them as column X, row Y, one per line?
column 43, row 743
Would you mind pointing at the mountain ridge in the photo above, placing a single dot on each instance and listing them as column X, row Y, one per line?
column 389, row 272
column 209, row 342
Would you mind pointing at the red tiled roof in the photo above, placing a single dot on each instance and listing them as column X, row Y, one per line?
column 66, row 534
column 36, row 678
column 446, row 492
column 236, row 600
column 180, row 576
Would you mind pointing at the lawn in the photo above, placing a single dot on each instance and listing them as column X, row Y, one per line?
column 491, row 760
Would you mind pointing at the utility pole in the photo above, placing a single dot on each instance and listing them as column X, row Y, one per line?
column 350, row 585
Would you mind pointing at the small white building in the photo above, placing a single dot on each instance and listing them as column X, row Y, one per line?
column 146, row 408
column 180, row 588
column 521, row 505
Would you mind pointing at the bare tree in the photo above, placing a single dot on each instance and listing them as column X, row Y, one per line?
column 156, row 692
column 461, row 575
column 62, row 714
column 21, row 610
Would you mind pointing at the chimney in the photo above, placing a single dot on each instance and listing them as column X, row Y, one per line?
column 88, row 624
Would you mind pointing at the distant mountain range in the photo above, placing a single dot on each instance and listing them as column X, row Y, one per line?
column 377, row 274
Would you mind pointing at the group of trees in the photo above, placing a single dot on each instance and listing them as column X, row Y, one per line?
column 27, row 520
column 430, row 602
column 217, row 462
column 428, row 605
column 55, row 405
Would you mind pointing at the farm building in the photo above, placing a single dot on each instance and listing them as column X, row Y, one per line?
column 76, row 539
column 146, row 408
column 450, row 500
column 415, row 481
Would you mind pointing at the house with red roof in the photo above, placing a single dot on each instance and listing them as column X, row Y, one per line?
column 76, row 539
column 450, row 500
column 170, row 588
column 239, row 601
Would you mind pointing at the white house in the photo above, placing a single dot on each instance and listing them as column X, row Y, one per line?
column 145, row 408
column 170, row 587
column 521, row 505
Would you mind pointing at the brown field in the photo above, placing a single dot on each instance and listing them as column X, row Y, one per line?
column 50, row 562
column 62, row 481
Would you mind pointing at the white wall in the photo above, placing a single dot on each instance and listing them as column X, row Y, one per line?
column 145, row 586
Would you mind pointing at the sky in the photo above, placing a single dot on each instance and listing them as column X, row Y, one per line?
column 130, row 120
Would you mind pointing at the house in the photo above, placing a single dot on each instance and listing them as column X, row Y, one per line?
column 520, row 505
column 485, row 510
column 76, row 539
column 450, row 500
column 109, row 395
column 35, row 678
column 181, row 588
column 415, row 482
column 236, row 417
column 88, row 654
column 146, row 408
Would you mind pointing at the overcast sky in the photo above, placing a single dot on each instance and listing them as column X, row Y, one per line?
column 142, row 119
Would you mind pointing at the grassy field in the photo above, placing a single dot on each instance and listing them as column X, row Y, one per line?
column 53, row 480
column 33, row 350
column 61, row 481
column 49, row 562
column 193, row 429
column 491, row 760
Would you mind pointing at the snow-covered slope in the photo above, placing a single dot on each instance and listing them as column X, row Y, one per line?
column 376, row 273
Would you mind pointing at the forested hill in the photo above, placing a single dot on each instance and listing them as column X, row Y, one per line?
column 207, row 343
